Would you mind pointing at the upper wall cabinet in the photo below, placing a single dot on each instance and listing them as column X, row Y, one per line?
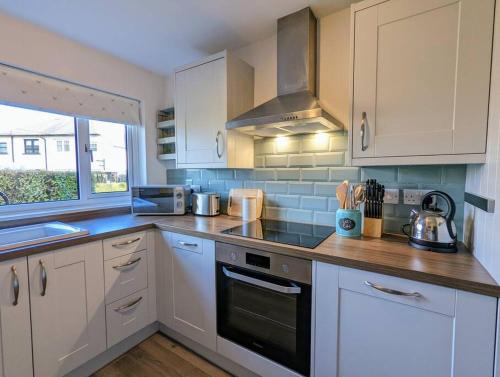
column 421, row 76
column 207, row 94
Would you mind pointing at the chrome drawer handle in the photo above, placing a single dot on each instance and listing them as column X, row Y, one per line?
column 391, row 291
column 363, row 131
column 15, row 285
column 128, row 264
column 128, row 306
column 189, row 244
column 127, row 242
column 43, row 272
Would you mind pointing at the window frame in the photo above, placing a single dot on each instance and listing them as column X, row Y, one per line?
column 34, row 148
column 6, row 148
column 87, row 200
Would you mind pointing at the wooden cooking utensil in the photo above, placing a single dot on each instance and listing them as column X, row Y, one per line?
column 341, row 192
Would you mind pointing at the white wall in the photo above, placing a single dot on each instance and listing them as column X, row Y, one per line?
column 482, row 230
column 31, row 47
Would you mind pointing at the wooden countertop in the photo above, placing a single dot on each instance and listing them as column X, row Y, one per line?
column 390, row 255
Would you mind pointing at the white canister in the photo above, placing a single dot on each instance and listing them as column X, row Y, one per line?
column 249, row 208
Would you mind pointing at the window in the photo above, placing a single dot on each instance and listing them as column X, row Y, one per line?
column 37, row 175
column 108, row 168
column 31, row 146
column 63, row 145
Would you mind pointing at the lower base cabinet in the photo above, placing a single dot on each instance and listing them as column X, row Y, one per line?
column 15, row 330
column 362, row 331
column 127, row 316
column 67, row 308
column 187, row 286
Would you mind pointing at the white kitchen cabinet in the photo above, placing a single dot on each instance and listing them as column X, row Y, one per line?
column 364, row 332
column 187, row 294
column 421, row 75
column 15, row 329
column 126, row 316
column 67, row 308
column 207, row 94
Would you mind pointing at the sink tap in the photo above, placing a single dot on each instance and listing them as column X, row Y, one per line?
column 4, row 197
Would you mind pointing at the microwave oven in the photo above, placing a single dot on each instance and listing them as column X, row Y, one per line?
column 160, row 200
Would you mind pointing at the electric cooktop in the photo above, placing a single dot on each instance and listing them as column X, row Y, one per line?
column 286, row 232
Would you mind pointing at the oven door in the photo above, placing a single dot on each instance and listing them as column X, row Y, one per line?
column 268, row 315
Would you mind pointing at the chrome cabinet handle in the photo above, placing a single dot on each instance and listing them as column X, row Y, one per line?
column 15, row 285
column 261, row 283
column 128, row 306
column 126, row 242
column 128, row 264
column 183, row 243
column 43, row 271
column 363, row 132
column 219, row 134
column 392, row 291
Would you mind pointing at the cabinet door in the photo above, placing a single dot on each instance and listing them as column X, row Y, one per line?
column 365, row 332
column 190, row 288
column 15, row 329
column 421, row 77
column 201, row 113
column 67, row 308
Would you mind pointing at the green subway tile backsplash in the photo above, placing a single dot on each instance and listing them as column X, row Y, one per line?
column 303, row 172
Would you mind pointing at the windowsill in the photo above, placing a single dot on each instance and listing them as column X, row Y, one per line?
column 63, row 210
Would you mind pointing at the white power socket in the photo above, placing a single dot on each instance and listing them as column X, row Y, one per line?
column 413, row 197
column 391, row 196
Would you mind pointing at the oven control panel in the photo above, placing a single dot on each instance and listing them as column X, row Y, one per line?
column 284, row 266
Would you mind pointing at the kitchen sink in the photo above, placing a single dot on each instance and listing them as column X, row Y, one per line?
column 12, row 238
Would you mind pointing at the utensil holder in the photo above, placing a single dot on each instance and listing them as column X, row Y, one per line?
column 348, row 222
column 372, row 227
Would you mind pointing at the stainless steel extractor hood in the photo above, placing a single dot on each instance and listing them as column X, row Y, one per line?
column 296, row 110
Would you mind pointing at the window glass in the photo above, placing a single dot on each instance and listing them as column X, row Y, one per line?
column 31, row 146
column 31, row 171
column 109, row 161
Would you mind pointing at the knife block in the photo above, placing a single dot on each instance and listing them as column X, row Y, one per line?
column 372, row 227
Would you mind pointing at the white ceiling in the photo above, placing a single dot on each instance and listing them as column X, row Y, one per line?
column 163, row 34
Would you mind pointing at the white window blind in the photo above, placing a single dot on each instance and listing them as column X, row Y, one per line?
column 19, row 87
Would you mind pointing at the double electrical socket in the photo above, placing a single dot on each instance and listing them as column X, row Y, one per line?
column 391, row 196
column 413, row 197
column 410, row 196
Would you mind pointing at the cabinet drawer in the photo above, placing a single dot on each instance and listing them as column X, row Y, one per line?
column 126, row 316
column 429, row 297
column 190, row 243
column 125, row 275
column 123, row 245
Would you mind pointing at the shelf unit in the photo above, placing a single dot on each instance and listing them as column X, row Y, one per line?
column 166, row 135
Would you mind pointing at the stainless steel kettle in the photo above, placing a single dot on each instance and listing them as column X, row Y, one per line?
column 432, row 228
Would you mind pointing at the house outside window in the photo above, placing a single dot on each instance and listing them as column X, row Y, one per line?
column 31, row 146
column 63, row 146
column 3, row 148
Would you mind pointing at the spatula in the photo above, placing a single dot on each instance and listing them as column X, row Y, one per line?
column 341, row 192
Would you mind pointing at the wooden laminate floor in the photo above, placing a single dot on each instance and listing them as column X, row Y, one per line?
column 162, row 357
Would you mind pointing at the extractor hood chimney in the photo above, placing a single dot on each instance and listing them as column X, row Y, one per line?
column 296, row 110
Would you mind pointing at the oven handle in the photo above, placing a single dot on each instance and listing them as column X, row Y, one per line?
column 260, row 283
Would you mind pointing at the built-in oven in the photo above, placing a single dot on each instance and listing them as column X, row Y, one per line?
column 264, row 304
